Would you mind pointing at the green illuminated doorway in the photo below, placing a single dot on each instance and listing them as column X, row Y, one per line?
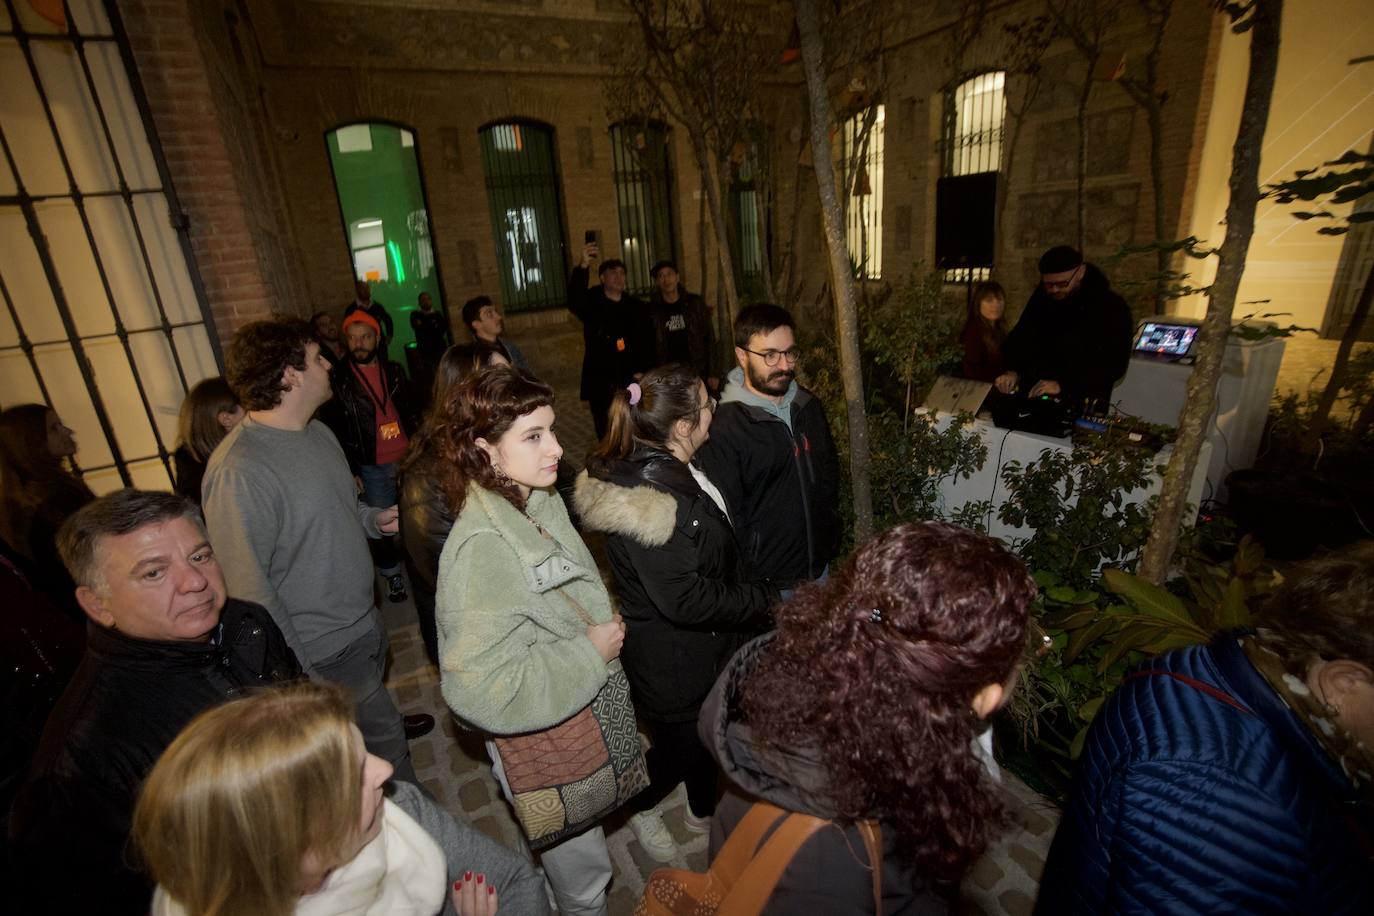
column 386, row 220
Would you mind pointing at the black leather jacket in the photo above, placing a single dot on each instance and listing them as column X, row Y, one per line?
column 352, row 415
column 425, row 523
column 678, row 575
column 69, row 827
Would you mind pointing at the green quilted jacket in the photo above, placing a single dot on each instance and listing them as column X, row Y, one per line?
column 513, row 650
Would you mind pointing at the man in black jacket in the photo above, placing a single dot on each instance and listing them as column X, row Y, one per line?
column 1073, row 341
column 682, row 328
column 618, row 342
column 772, row 456
column 373, row 416
column 164, row 644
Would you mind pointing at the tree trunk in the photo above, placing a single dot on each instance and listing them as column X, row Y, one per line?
column 711, row 186
column 1240, row 226
column 1322, row 415
column 841, row 277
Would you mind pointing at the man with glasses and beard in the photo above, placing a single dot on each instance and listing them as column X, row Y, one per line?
column 1073, row 340
column 772, row 456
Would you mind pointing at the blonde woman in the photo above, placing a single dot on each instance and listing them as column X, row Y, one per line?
column 270, row 805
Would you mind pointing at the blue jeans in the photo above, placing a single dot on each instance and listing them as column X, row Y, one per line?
column 379, row 491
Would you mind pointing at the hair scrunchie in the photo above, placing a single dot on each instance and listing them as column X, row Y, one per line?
column 635, row 392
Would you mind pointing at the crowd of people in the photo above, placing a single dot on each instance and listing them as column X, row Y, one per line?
column 219, row 739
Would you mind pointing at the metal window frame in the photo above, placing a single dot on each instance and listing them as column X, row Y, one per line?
column 26, row 204
column 660, row 185
column 950, row 145
column 870, row 229
column 554, row 294
column 424, row 196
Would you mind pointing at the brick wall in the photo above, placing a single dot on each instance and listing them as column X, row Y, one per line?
column 206, row 142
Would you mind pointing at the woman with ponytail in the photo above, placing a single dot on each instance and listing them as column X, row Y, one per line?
column 864, row 705
column 677, row 572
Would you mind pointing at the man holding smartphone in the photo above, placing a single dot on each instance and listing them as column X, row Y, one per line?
column 617, row 336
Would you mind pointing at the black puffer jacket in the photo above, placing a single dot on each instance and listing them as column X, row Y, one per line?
column 425, row 523
column 677, row 573
column 353, row 417
column 830, row 873
column 69, row 827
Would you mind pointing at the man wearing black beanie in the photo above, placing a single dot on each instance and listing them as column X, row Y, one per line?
column 1073, row 340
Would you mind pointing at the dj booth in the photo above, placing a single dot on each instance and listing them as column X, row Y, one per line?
column 1006, row 446
column 1153, row 391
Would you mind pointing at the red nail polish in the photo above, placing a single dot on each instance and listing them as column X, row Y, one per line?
column 481, row 878
column 490, row 889
column 457, row 885
column 467, row 876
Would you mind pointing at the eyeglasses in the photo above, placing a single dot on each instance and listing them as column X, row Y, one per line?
column 1055, row 285
column 772, row 357
column 710, row 404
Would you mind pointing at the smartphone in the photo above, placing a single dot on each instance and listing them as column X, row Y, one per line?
column 589, row 237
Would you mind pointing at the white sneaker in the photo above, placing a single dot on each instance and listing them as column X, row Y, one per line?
column 653, row 835
column 696, row 824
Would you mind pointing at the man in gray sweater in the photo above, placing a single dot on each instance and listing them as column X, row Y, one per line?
column 290, row 533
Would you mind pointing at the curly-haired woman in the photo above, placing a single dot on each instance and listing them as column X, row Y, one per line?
column 515, row 584
column 864, row 705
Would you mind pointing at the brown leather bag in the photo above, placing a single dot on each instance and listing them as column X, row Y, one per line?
column 742, row 876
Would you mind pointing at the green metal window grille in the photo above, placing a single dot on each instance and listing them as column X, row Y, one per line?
column 526, row 213
column 644, row 199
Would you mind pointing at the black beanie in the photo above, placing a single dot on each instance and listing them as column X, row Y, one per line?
column 1059, row 259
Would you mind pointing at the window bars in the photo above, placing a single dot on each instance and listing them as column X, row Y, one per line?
column 861, row 165
column 104, row 315
column 644, row 198
column 975, row 119
column 526, row 213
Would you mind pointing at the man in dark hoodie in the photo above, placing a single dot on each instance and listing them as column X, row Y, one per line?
column 773, row 458
column 1073, row 340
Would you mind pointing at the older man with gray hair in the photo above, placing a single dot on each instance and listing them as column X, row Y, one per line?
column 165, row 643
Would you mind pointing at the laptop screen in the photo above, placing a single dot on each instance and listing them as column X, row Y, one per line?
column 1165, row 339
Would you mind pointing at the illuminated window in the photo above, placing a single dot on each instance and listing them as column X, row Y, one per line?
column 748, row 213
column 382, row 199
column 861, row 166
column 102, row 317
column 644, row 198
column 975, row 117
column 524, row 201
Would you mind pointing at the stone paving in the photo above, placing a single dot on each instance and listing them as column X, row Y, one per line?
column 453, row 766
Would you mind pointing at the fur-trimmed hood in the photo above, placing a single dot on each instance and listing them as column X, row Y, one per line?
column 642, row 511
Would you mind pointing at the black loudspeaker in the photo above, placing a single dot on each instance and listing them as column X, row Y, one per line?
column 965, row 213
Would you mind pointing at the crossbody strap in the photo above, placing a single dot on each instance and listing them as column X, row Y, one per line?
column 751, row 892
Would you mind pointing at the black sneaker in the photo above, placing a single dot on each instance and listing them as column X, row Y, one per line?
column 395, row 588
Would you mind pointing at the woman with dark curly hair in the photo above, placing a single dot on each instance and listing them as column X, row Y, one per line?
column 527, row 635
column 864, row 706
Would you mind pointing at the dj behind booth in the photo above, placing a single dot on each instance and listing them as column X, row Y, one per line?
column 1019, row 426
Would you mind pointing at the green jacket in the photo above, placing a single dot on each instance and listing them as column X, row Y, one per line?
column 514, row 653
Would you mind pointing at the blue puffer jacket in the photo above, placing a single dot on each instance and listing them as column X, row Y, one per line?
column 1200, row 792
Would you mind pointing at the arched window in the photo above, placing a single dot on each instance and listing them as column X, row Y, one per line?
column 644, row 198
column 386, row 221
column 975, row 117
column 526, row 212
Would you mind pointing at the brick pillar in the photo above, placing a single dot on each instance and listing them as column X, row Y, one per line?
column 173, row 70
